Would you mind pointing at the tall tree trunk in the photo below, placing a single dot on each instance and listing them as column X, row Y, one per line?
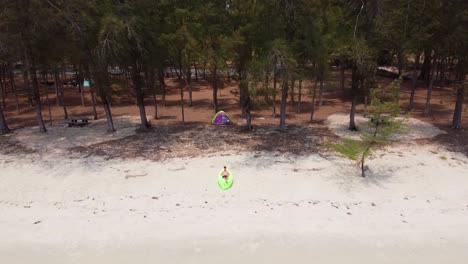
column 3, row 124
column 400, row 61
column 155, row 102
column 46, row 89
column 56, row 85
column 137, row 86
column 2, row 88
column 320, row 101
column 93, row 101
column 31, row 71
column 245, row 100
column 215, row 89
column 427, row 109
column 37, row 100
column 182, row 103
column 352, row 122
column 284, row 98
column 457, row 114
column 437, row 72
column 342, row 76
column 107, row 110
column 414, row 82
column 354, row 91
column 314, row 93
column 274, row 93
column 26, row 86
column 442, row 72
column 426, row 67
column 150, row 78
column 162, row 84
column 293, row 83
column 79, row 75
column 204, row 71
column 266, row 86
column 62, row 96
column 300, row 97
column 188, row 80
column 13, row 86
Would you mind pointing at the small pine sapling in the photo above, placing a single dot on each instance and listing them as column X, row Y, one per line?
column 384, row 123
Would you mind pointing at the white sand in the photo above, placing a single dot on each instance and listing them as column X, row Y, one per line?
column 415, row 129
column 413, row 208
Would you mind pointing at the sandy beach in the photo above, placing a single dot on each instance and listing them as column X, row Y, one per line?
column 412, row 208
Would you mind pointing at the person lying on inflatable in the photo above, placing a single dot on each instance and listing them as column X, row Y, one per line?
column 225, row 174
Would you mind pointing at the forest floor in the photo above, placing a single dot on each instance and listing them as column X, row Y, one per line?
column 198, row 116
column 82, row 195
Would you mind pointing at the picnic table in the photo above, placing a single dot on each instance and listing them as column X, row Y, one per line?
column 77, row 121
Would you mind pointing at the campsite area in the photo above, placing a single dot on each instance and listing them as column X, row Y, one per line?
column 215, row 131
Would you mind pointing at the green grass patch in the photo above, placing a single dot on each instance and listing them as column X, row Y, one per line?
column 350, row 148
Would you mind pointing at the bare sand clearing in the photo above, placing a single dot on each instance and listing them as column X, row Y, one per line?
column 412, row 208
column 60, row 137
column 415, row 128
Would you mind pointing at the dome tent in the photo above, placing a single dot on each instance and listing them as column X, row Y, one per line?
column 221, row 118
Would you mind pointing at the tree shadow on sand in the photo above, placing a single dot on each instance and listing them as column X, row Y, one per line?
column 197, row 139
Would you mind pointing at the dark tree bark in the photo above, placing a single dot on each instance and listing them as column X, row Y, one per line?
column 266, row 86
column 245, row 100
column 427, row 109
column 93, row 101
column 2, row 88
column 188, row 80
column 196, row 72
column 293, row 83
column 31, row 71
column 400, row 61
column 182, row 103
column 79, row 76
column 354, row 91
column 320, row 101
column 56, row 86
column 107, row 110
column 342, row 75
column 140, row 96
column 162, row 84
column 204, row 71
column 13, row 86
column 300, row 97
column 274, row 94
column 414, row 82
column 62, row 97
column 26, row 87
column 3, row 124
column 151, row 80
column 284, row 99
column 46, row 89
column 457, row 114
column 314, row 93
column 426, row 67
column 215, row 89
